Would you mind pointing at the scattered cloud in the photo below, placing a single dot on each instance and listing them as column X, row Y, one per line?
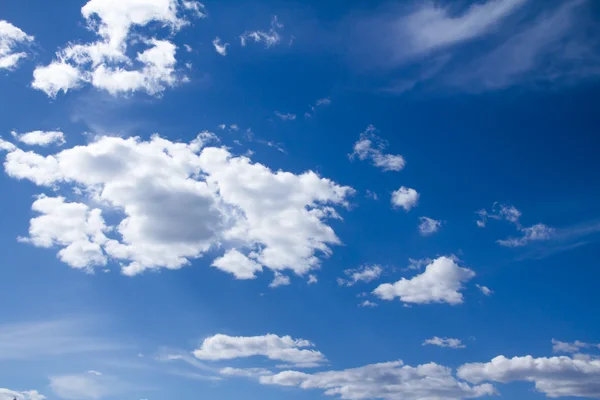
column 177, row 201
column 574, row 347
column 286, row 116
column 270, row 38
column 86, row 386
column 220, row 48
column 280, row 280
column 536, row 232
column 553, row 376
column 429, row 226
column 366, row 273
column 12, row 38
column 406, row 198
column 370, row 147
column 106, row 64
column 324, row 102
column 444, row 342
column 485, row 290
column 245, row 372
column 238, row 265
column 40, row 138
column 7, row 394
column 368, row 304
column 275, row 348
column 312, row 279
column 386, row 381
column 441, row 282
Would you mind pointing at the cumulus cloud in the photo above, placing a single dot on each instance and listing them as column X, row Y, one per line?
column 571, row 347
column 280, row 280
column 220, row 48
column 485, row 290
column 366, row 273
column 444, row 342
column 386, row 381
column 312, row 279
column 40, row 138
column 370, row 147
column 406, row 198
column 270, row 38
column 176, row 201
column 429, row 226
column 273, row 347
column 441, row 282
column 553, row 376
column 7, row 394
column 11, row 38
column 105, row 63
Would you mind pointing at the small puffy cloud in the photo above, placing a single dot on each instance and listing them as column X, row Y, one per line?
column 238, row 265
column 406, row 198
column 370, row 147
column 429, row 226
column 105, row 63
column 220, row 48
column 574, row 347
column 312, row 279
column 386, row 381
column 280, row 280
column 444, row 342
column 485, row 290
column 441, row 282
column 7, row 146
column 286, row 116
column 273, row 347
column 270, row 38
column 553, row 376
column 7, row 394
column 499, row 211
column 366, row 273
column 40, row 138
column 368, row 304
column 175, row 202
column 11, row 38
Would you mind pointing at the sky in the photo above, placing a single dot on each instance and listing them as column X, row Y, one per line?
column 299, row 199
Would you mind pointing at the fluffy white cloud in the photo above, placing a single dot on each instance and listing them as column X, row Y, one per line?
column 40, row 138
column 370, row 147
column 312, row 279
column 238, row 265
column 387, row 381
column 280, row 280
column 574, row 347
column 7, row 146
column 406, row 198
column 553, row 376
column 178, row 200
column 75, row 227
column 270, row 38
column 10, row 38
column 440, row 283
column 429, row 226
column 105, row 63
column 366, row 273
column 220, row 48
column 273, row 347
column 444, row 342
column 7, row 394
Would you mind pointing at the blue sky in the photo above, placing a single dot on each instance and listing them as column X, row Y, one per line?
column 354, row 200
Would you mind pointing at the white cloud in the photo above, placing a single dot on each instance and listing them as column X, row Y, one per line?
column 429, row 226
column 286, row 116
column 444, row 342
column 270, row 38
column 406, row 198
column 312, row 279
column 323, row 102
column 386, row 381
column 280, row 280
column 441, row 282
column 245, row 372
column 553, row 376
column 536, row 232
column 485, row 290
column 7, row 394
column 178, row 200
column 219, row 47
column 368, row 303
column 370, row 147
column 273, row 347
column 238, row 265
column 574, row 347
column 7, row 146
column 11, row 37
column 105, row 63
column 366, row 273
column 40, row 138
column 86, row 386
